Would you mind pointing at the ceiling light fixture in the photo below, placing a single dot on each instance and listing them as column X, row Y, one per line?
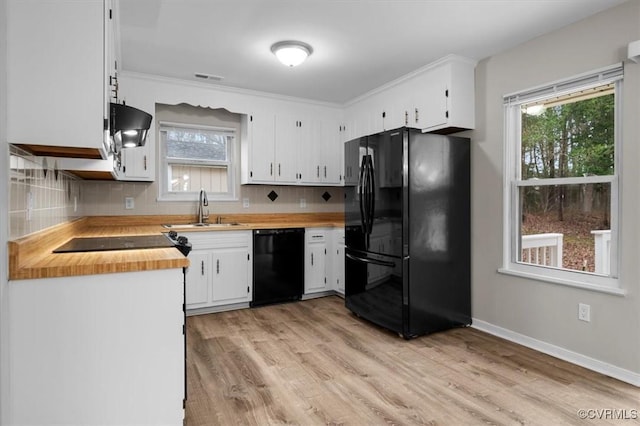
column 291, row 53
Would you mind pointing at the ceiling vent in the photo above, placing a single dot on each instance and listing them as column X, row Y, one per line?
column 203, row 76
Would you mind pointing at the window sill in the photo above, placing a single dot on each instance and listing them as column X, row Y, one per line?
column 570, row 283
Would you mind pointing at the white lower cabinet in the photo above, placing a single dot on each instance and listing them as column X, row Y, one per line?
column 337, row 263
column 197, row 289
column 315, row 263
column 230, row 276
column 324, row 260
column 220, row 272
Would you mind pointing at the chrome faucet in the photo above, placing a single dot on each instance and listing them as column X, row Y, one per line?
column 202, row 203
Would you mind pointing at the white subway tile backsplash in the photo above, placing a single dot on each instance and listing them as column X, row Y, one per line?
column 48, row 205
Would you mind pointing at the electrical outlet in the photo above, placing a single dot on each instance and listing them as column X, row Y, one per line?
column 128, row 203
column 245, row 203
column 584, row 312
column 303, row 203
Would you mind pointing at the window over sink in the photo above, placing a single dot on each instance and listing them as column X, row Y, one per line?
column 194, row 157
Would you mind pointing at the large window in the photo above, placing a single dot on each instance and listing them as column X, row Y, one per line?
column 194, row 158
column 561, row 180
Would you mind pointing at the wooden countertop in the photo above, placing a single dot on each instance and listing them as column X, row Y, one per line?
column 32, row 256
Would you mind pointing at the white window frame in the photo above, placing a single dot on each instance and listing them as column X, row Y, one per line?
column 163, row 192
column 512, row 183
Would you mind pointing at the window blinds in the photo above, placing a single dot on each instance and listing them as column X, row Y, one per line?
column 583, row 81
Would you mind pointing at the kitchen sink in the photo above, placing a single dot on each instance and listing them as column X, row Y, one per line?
column 202, row 225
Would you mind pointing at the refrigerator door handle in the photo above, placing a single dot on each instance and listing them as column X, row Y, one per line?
column 371, row 261
column 372, row 195
column 361, row 192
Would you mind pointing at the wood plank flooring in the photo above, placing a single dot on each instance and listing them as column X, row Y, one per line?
column 315, row 363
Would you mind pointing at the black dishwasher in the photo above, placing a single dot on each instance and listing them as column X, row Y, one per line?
column 278, row 265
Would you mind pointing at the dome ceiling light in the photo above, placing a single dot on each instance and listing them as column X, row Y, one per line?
column 291, row 53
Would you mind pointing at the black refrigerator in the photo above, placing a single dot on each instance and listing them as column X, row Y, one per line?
column 407, row 231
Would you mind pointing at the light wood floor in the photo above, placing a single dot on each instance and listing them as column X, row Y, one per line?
column 314, row 363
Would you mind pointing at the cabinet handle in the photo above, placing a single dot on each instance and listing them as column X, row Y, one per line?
column 406, row 117
column 325, row 172
column 417, row 115
column 318, row 171
column 202, row 267
column 145, row 162
column 279, row 169
column 271, row 169
column 217, row 266
column 311, row 259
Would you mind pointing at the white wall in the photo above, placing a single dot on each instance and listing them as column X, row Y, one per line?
column 4, row 222
column 538, row 313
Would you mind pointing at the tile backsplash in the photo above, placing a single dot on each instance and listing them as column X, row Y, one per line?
column 40, row 195
column 108, row 198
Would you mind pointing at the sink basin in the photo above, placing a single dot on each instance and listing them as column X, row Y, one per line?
column 201, row 225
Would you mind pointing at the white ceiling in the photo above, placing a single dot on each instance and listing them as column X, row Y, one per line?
column 358, row 44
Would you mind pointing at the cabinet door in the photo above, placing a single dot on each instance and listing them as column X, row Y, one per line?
column 230, row 278
column 197, row 279
column 135, row 164
column 315, row 269
column 311, row 157
column 261, row 148
column 55, row 74
column 338, row 261
column 315, row 277
column 331, row 150
column 351, row 163
column 288, row 138
column 430, row 102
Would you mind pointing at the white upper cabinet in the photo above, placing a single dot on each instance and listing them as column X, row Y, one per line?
column 134, row 164
column 331, row 154
column 321, row 153
column 438, row 98
column 288, row 148
column 291, row 134
column 56, row 76
column 428, row 107
column 444, row 97
column 258, row 150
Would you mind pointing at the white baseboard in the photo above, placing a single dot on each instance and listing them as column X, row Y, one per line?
column 561, row 353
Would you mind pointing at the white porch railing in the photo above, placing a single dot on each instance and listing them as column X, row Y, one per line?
column 542, row 249
column 602, row 242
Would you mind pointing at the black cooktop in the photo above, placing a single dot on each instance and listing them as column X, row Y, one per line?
column 131, row 242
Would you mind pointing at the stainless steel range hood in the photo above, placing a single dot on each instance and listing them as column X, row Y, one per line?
column 128, row 126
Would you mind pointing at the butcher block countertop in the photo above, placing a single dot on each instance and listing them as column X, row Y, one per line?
column 32, row 256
